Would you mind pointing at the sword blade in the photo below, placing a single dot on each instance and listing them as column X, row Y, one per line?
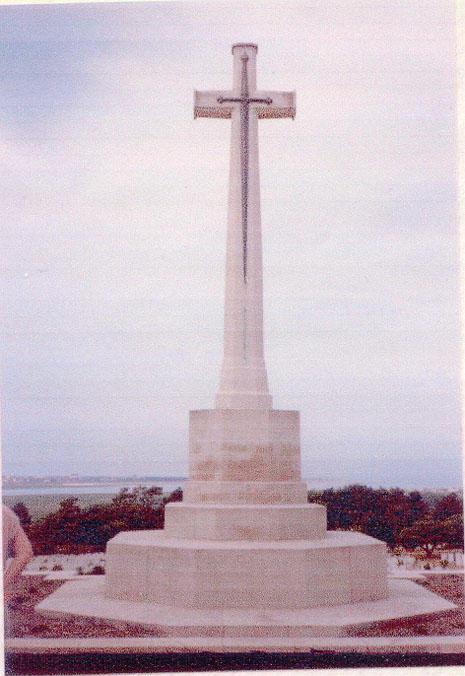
column 244, row 136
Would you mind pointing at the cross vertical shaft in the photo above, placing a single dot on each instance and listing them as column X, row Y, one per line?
column 243, row 381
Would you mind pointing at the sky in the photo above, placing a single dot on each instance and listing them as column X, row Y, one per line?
column 114, row 230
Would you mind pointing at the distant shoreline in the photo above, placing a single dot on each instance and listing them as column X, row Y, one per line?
column 88, row 488
column 109, row 483
column 14, row 485
column 87, row 483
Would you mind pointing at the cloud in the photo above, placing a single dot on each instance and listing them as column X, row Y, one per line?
column 115, row 231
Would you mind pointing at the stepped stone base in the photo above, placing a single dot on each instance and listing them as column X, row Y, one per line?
column 342, row 567
column 85, row 597
column 245, row 492
column 244, row 554
column 245, row 522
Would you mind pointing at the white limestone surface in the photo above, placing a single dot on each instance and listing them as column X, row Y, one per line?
column 244, row 445
column 245, row 522
column 436, row 644
column 243, row 380
column 341, row 567
column 64, row 575
column 87, row 598
column 245, row 492
column 43, row 564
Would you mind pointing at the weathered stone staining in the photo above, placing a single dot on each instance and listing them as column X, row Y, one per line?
column 244, row 445
column 244, row 554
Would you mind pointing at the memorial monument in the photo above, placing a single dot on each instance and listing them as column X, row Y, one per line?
column 244, row 553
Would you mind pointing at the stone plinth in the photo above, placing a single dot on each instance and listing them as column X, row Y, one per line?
column 244, row 445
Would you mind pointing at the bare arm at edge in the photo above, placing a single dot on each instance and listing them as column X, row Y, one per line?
column 22, row 555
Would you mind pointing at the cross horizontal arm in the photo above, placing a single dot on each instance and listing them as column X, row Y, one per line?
column 219, row 103
column 206, row 104
column 283, row 104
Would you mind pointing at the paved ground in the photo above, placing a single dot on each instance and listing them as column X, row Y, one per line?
column 450, row 622
column 23, row 621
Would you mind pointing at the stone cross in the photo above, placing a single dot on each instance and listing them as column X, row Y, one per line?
column 243, row 382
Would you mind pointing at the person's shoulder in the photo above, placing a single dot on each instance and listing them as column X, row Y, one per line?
column 9, row 518
column 7, row 511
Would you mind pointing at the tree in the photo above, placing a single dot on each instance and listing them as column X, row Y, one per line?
column 418, row 507
column 174, row 496
column 139, row 495
column 22, row 513
column 453, row 528
column 380, row 513
column 448, row 506
column 71, row 529
column 58, row 531
column 429, row 534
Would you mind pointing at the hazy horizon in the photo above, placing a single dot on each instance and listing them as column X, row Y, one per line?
column 312, row 482
column 114, row 202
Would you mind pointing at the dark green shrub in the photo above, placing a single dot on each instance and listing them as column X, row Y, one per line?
column 97, row 570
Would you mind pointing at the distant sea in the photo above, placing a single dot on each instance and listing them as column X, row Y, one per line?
column 167, row 486
column 86, row 489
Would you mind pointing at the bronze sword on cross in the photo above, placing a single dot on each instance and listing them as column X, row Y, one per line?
column 221, row 104
column 244, row 102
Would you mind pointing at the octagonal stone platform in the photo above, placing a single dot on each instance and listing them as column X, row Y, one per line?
column 85, row 597
column 341, row 567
